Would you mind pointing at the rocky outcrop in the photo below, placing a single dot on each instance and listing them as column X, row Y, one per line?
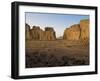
column 72, row 33
column 27, row 32
column 35, row 31
column 84, row 26
column 49, row 34
column 77, row 32
column 38, row 34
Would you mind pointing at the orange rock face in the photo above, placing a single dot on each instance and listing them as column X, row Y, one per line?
column 84, row 26
column 72, row 33
column 77, row 32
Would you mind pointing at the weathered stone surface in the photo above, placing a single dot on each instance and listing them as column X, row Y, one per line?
column 75, row 32
column 49, row 33
column 35, row 31
column 72, row 33
column 78, row 32
column 38, row 34
column 84, row 26
column 27, row 32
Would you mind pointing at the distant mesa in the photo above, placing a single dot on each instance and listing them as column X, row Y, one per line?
column 60, row 37
column 75, row 32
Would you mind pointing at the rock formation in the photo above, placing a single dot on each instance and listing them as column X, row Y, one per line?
column 35, row 31
column 84, row 26
column 49, row 33
column 77, row 32
column 38, row 34
column 72, row 33
column 27, row 32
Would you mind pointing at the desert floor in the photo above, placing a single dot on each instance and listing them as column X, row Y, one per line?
column 56, row 53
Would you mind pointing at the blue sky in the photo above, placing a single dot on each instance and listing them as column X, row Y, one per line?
column 58, row 21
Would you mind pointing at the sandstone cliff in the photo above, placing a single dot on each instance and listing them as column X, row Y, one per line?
column 72, row 33
column 38, row 34
column 49, row 33
column 35, row 31
column 84, row 26
column 77, row 32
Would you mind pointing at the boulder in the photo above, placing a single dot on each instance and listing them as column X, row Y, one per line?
column 72, row 33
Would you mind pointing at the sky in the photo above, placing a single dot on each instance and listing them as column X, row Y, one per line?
column 58, row 21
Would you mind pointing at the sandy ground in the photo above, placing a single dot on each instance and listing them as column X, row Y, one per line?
column 69, row 53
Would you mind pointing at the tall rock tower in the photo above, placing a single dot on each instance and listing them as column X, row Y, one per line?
column 49, row 33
